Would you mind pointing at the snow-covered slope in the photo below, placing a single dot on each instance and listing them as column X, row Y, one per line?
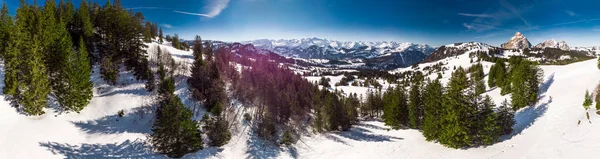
column 547, row 130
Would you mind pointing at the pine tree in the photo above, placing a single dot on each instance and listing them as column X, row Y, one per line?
column 6, row 25
column 506, row 117
column 218, row 131
column 395, row 112
column 432, row 110
column 455, row 133
column 160, row 36
column 76, row 90
column 490, row 131
column 492, row 76
column 598, row 62
column 29, row 81
column 415, row 106
column 587, row 100
column 174, row 132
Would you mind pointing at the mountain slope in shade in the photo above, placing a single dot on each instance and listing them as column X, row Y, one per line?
column 456, row 49
column 518, row 41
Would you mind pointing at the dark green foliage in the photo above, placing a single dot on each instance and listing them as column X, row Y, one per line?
column 373, row 105
column 488, row 130
column 75, row 90
column 287, row 138
column 455, row 132
column 506, row 117
column 174, row 132
column 6, row 26
column 205, row 83
column 266, row 129
column 477, row 75
column 325, row 82
column 218, row 131
column 160, row 36
column 432, row 110
column 525, row 78
column 587, row 102
column 395, row 112
column 26, row 76
column 336, row 113
column 415, row 106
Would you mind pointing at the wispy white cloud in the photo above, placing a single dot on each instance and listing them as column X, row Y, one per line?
column 212, row 9
column 167, row 26
column 476, row 15
column 196, row 14
column 516, row 11
column 215, row 7
column 570, row 13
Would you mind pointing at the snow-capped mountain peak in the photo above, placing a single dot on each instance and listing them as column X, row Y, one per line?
column 518, row 41
column 553, row 44
column 381, row 47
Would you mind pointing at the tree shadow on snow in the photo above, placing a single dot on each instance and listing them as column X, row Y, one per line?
column 546, row 85
column 136, row 121
column 183, row 56
column 361, row 134
column 370, row 126
column 260, row 149
column 205, row 153
column 526, row 117
column 126, row 149
column 139, row 91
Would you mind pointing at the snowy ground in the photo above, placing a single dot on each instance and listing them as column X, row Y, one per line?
column 547, row 130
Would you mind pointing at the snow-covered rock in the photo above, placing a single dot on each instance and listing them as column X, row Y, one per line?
column 553, row 44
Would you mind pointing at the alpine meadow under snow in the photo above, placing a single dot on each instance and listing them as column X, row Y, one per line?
column 102, row 81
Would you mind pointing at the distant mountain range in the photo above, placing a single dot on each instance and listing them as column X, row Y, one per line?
column 383, row 55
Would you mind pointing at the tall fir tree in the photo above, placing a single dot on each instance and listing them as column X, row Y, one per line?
column 174, row 133
column 6, row 26
column 506, row 117
column 160, row 36
column 395, row 112
column 415, row 106
column 455, row 119
column 432, row 110
column 75, row 91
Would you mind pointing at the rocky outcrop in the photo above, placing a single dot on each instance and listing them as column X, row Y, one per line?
column 519, row 41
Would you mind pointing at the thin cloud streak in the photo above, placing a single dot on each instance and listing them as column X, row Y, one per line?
column 169, row 26
column 476, row 15
column 514, row 11
column 196, row 14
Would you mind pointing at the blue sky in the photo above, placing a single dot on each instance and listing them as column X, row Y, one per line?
column 434, row 22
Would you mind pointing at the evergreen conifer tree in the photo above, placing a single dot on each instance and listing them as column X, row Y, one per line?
column 432, row 110
column 587, row 102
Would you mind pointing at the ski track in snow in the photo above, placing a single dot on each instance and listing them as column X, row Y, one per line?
column 547, row 130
